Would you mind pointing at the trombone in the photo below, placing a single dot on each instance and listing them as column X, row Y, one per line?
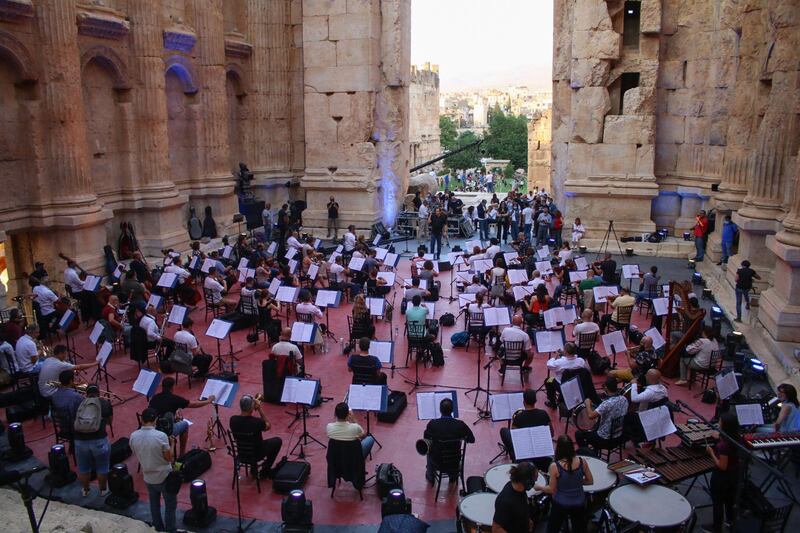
column 81, row 388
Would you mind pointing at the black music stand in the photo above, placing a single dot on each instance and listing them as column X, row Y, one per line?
column 218, row 387
column 328, row 301
column 63, row 325
column 368, row 404
column 486, row 412
column 220, row 329
column 102, row 373
column 303, row 392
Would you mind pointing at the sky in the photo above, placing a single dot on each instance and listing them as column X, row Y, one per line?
column 484, row 43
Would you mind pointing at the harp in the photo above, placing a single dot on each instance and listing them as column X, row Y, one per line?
column 692, row 320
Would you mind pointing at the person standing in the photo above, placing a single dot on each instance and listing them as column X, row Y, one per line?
column 422, row 217
column 333, row 218
column 724, row 482
column 438, row 224
column 700, row 229
column 568, row 475
column 266, row 218
column 153, row 450
column 511, row 514
column 490, row 182
column 729, row 231
column 483, row 222
column 744, row 283
column 543, row 232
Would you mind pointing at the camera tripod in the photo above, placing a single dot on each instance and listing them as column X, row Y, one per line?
column 607, row 239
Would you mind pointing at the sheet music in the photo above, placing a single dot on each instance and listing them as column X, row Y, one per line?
column 388, row 277
column 544, row 267
column 727, row 385
column 272, row 247
column 520, row 291
column 470, row 245
column 380, row 253
column 496, row 316
column 661, row 306
column 243, row 262
column 293, row 266
column 377, row 240
column 391, row 260
column 543, row 252
column 511, row 256
column 144, row 381
column 97, row 330
column 332, row 258
column 219, row 329
column 226, row 252
column 464, row 277
column 656, row 423
column 559, row 317
column 220, row 389
column 581, row 263
column 504, row 406
column 431, row 307
column 376, row 306
column 118, row 271
column 423, row 284
column 749, row 414
column 615, row 340
column 104, row 353
column 286, row 294
column 579, row 275
column 154, row 301
column 455, row 258
column 549, row 341
column 302, row 332
column 300, row 391
column 245, row 273
column 207, row 264
column 601, row 293
column 313, row 270
column 482, row 265
column 383, row 350
column 92, row 283
column 428, row 257
column 572, row 393
column 327, row 298
column 630, row 271
column 339, row 249
column 194, row 263
column 530, row 443
column 365, row 397
column 428, row 404
column 290, row 253
column 274, row 285
column 658, row 340
column 517, row 276
column 466, row 299
column 176, row 315
column 356, row 263
column 167, row 280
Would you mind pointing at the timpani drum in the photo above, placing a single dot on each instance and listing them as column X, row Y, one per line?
column 477, row 511
column 603, row 478
column 653, row 506
column 497, row 477
column 582, row 420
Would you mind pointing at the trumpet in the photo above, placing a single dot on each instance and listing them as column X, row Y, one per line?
column 210, row 436
column 44, row 350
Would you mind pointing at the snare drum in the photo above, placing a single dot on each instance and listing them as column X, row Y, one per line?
column 497, row 477
column 477, row 512
column 653, row 506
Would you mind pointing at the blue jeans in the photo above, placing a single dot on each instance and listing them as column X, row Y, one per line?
column 514, row 230
column 700, row 247
column 541, row 235
column 527, row 230
column 436, row 245
column 366, row 445
column 741, row 294
column 154, row 491
column 92, row 454
column 727, row 249
column 484, row 229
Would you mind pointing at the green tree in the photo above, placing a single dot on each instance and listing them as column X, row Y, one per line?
column 447, row 132
column 508, row 139
column 469, row 158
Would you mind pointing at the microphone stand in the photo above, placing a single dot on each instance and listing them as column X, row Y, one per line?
column 486, row 412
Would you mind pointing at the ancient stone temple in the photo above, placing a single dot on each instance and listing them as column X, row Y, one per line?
column 423, row 127
column 539, row 156
column 135, row 110
column 662, row 108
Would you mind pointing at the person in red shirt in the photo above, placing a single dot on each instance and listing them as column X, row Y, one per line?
column 12, row 329
column 700, row 231
column 558, row 225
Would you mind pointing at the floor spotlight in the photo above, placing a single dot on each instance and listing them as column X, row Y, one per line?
column 58, row 462
column 395, row 503
column 707, row 294
column 691, row 265
column 16, row 441
column 697, row 278
column 201, row 514
column 582, row 249
column 629, row 252
column 687, row 236
column 120, row 483
column 297, row 513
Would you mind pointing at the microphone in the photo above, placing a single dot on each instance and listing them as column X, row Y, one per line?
column 12, row 476
column 676, row 407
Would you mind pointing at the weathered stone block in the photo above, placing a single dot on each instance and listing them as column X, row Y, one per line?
column 351, row 26
column 685, row 103
column 362, row 6
column 314, row 8
column 596, row 44
column 589, row 73
column 356, row 52
column 339, row 104
column 666, row 158
column 589, row 106
column 670, row 129
column 697, row 73
column 650, row 16
column 695, row 130
column 580, row 159
column 613, row 159
column 646, row 160
column 591, row 15
column 315, row 28
column 671, row 75
column 340, row 79
column 627, row 129
column 320, row 54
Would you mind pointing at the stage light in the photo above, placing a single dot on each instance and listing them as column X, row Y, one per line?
column 120, row 483
column 16, row 441
column 707, row 294
column 697, row 278
column 691, row 265
column 582, row 249
column 664, row 232
column 58, row 463
column 687, row 236
column 551, row 241
column 201, row 514
column 297, row 512
column 395, row 503
column 716, row 312
column 629, row 252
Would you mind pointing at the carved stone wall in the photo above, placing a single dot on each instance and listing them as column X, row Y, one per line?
column 423, row 127
column 539, row 153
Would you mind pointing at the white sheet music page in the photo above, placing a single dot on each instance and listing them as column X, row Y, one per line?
column 726, row 383
column 511, row 256
column 92, row 283
column 581, row 263
column 218, row 329
column 293, row 265
column 290, row 253
column 571, row 392
column 466, row 299
column 207, row 263
column 661, row 306
column 517, row 276
column 325, row 298
column 301, row 332
column 431, row 307
column 272, row 247
column 176, row 314
column 154, row 301
column 521, row 291
column 496, row 316
column 656, row 423
column 482, row 265
column 505, row 405
column 144, row 381
column 530, row 443
column 356, row 263
column 544, row 267
column 658, row 340
column 104, row 353
column 226, row 252
column 313, row 270
column 428, row 404
column 579, row 275
column 470, row 245
column 167, row 280
column 365, row 397
column 388, row 277
column 749, row 414
column 549, row 341
column 274, row 285
column 615, row 339
column 382, row 350
column 299, row 391
column 543, row 252
column 375, row 306
column 286, row 294
column 391, row 259
column 97, row 330
column 630, row 271
column 380, row 253
column 220, row 389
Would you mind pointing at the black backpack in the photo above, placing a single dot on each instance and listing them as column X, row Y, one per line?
column 437, row 354
column 388, row 477
column 447, row 320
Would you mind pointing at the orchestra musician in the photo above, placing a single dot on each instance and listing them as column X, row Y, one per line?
column 46, row 300
column 218, row 287
column 246, row 423
column 515, row 333
column 363, row 359
column 53, row 366
column 607, row 269
column 349, row 242
column 148, row 323
column 74, row 285
column 288, row 355
column 612, row 408
column 568, row 360
column 623, row 300
column 140, row 268
column 476, row 287
column 168, row 403
column 527, row 417
column 132, row 289
column 644, row 358
column 442, row 429
column 11, row 330
column 39, row 274
column 698, row 354
column 305, row 306
column 654, row 391
column 511, row 507
column 788, row 420
column 27, row 352
column 110, row 318
column 725, row 479
column 186, row 337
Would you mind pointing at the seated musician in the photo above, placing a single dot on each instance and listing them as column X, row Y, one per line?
column 568, row 360
column 46, row 299
column 73, row 284
column 362, row 320
column 6, row 354
column 586, row 325
column 655, row 391
column 476, row 287
column 515, row 333
column 537, row 304
column 527, row 417
column 476, row 255
column 176, row 267
column 248, row 424
column 698, row 354
column 266, row 306
column 377, row 286
column 612, row 408
column 371, row 261
column 493, row 249
column 562, row 275
column 148, row 323
column 345, row 428
column 110, row 318
column 337, row 276
column 349, row 240
column 186, row 337
column 428, row 273
column 649, row 287
column 362, row 359
column 248, row 290
column 536, row 279
column 294, row 242
column 788, row 420
column 288, row 356
column 216, row 285
column 225, row 272
column 11, row 330
column 417, row 261
column 139, row 267
column 52, row 368
column 644, row 358
column 310, row 258
column 623, row 300
column 607, row 269
column 444, row 429
column 414, row 290
column 131, row 289
column 27, row 352
column 511, row 507
column 306, row 307
column 168, row 403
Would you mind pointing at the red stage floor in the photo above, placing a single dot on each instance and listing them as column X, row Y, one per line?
column 398, row 439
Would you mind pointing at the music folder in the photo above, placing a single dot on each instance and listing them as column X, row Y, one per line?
column 602, row 293
column 356, row 263
column 327, row 298
column 154, row 301
column 147, row 382
column 614, row 342
column 313, row 270
column 572, row 393
column 272, row 247
column 465, row 299
column 92, row 283
column 117, row 274
column 168, row 280
column 581, row 263
column 533, row 442
column 207, row 264
column 245, row 273
column 303, row 332
column 226, row 252
column 504, row 405
column 292, row 266
column 368, row 398
column 658, row 340
column 380, row 253
column 428, row 404
column 544, row 267
column 224, row 391
column 521, row 291
column 219, row 329
column 391, row 260
column 558, row 317
column 630, row 271
column 377, row 240
column 497, row 316
column 511, row 256
column 727, row 384
column 243, row 263
column 383, row 350
column 66, row 320
column 194, row 264
column 176, row 314
column 104, row 353
column 287, row 294
column 388, row 277
column 299, row 390
column 578, row 275
column 274, row 285
column 517, row 276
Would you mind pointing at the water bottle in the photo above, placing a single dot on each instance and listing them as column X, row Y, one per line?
column 396, row 332
column 341, row 344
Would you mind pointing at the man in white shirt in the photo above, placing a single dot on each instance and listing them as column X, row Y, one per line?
column 46, row 300
column 350, row 238
column 527, row 221
column 568, row 361
column 537, row 279
column 26, row 351
column 294, row 242
column 185, row 336
column 587, row 325
column 153, row 450
column 306, row 307
column 216, row 286
column 654, row 392
column 346, row 429
column 476, row 287
column 150, row 327
column 6, row 354
column 493, row 249
column 476, row 256
column 701, row 349
column 177, row 268
column 72, row 280
column 266, row 218
column 53, row 366
column 422, row 227
column 514, row 333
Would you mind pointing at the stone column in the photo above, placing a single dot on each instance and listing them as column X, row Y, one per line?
column 156, row 206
